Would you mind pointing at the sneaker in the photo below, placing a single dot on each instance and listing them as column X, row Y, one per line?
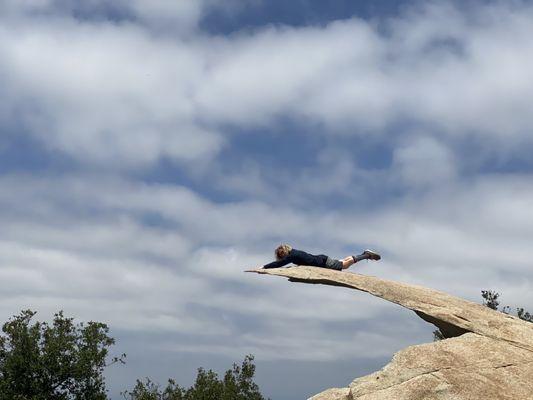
column 372, row 255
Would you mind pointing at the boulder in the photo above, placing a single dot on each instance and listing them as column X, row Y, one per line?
column 333, row 394
column 487, row 354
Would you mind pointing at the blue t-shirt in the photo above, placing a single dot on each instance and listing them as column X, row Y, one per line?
column 299, row 257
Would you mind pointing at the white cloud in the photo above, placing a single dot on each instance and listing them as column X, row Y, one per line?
column 120, row 95
column 105, row 94
column 182, row 15
column 437, row 66
column 424, row 161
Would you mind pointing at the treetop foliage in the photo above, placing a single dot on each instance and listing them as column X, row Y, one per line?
column 57, row 361
column 237, row 384
column 490, row 299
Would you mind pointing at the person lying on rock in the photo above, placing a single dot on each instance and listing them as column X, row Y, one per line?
column 285, row 254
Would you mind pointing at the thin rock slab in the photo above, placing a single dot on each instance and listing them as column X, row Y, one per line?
column 453, row 314
column 489, row 355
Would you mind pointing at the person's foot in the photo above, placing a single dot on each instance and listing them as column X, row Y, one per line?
column 372, row 255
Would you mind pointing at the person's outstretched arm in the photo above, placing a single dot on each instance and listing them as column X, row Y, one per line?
column 280, row 263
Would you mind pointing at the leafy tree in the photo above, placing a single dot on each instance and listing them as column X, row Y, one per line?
column 437, row 335
column 523, row 314
column 490, row 299
column 149, row 390
column 237, row 384
column 57, row 361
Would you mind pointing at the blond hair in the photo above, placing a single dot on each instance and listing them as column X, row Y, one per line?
column 282, row 251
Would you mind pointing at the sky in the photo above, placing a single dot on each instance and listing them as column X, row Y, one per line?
column 152, row 150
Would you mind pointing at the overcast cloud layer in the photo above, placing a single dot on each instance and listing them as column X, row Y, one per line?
column 146, row 162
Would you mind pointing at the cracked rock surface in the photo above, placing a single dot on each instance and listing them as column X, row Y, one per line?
column 488, row 354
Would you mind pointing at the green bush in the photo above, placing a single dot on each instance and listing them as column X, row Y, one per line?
column 237, row 384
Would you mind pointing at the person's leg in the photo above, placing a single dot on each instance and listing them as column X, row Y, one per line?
column 365, row 255
column 347, row 262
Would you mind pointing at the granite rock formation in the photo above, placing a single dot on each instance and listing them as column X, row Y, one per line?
column 487, row 354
